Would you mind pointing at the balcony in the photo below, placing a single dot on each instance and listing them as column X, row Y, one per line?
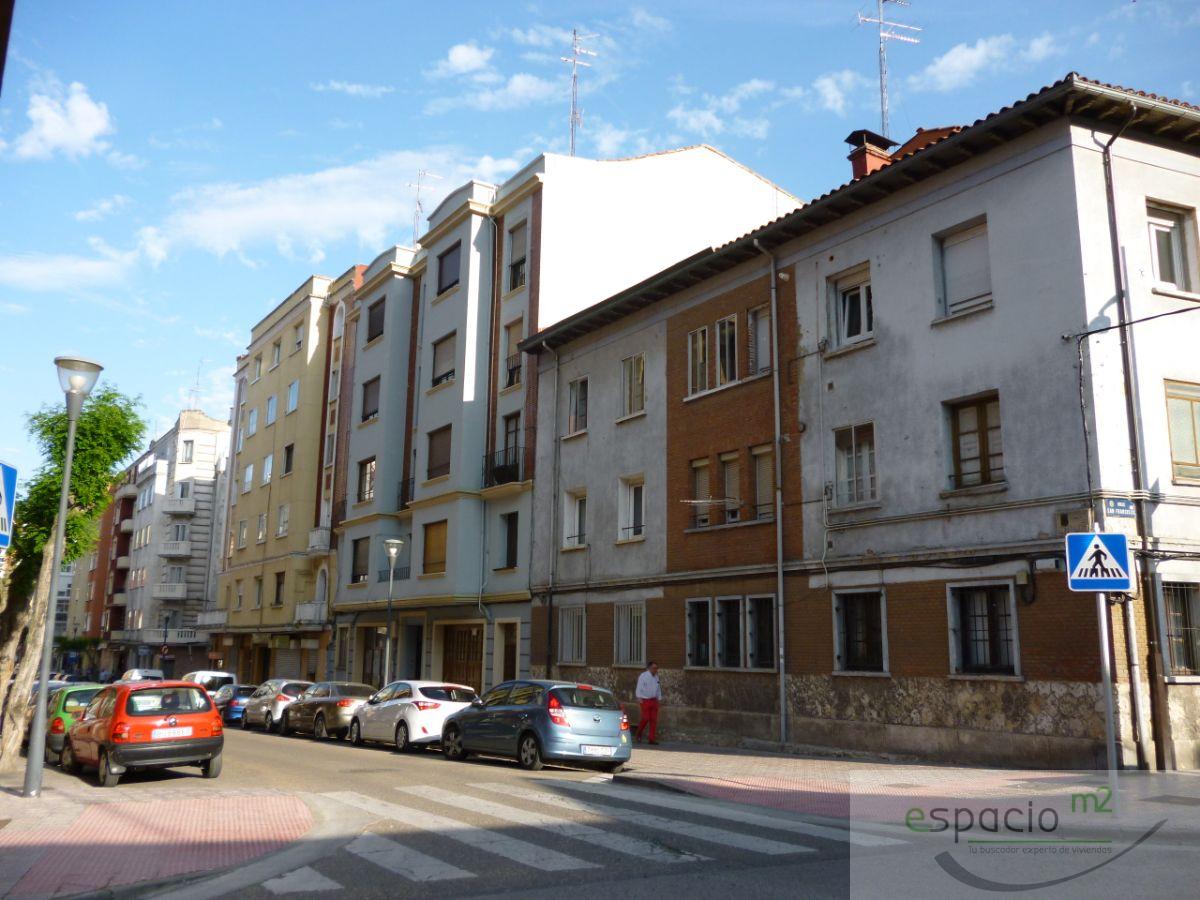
column 503, row 467
column 179, row 506
column 402, row 573
column 169, row 591
column 120, row 598
column 122, row 562
column 318, row 540
column 175, row 548
column 179, row 635
column 212, row 618
column 309, row 612
column 118, row 634
column 404, row 494
column 126, row 492
column 512, row 370
column 126, row 526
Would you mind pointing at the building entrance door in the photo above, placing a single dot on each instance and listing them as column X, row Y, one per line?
column 462, row 655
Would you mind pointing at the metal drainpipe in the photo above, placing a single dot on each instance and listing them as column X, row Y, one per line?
column 1158, row 706
column 553, row 523
column 779, row 604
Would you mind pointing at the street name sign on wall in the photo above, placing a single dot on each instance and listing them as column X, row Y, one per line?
column 1098, row 561
column 8, row 500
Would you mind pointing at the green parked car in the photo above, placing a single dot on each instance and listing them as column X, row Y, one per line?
column 66, row 705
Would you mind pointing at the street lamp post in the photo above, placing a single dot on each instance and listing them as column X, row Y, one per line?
column 392, row 545
column 77, row 377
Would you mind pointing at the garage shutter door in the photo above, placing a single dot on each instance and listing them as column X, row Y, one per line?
column 286, row 664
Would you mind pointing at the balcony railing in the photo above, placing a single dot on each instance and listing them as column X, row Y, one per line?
column 318, row 540
column 120, row 598
column 119, row 634
column 169, row 591
column 212, row 618
column 126, row 491
column 126, row 526
column 175, row 548
column 179, row 506
column 309, row 612
column 512, row 368
column 503, row 467
column 404, row 493
column 402, row 573
column 122, row 562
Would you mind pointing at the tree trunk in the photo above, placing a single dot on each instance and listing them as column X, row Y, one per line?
column 17, row 675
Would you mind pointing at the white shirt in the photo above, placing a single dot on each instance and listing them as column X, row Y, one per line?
column 648, row 687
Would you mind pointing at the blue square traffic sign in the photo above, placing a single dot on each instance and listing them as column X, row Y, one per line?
column 8, row 500
column 1097, row 561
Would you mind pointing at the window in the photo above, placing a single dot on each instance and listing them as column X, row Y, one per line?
column 577, row 406
column 257, row 368
column 758, row 336
column 572, row 622
column 701, row 511
column 330, row 447
column 293, row 397
column 189, row 449
column 729, row 632
column 764, row 482
column 699, row 632
column 1169, row 247
column 632, row 523
column 281, row 520
column 630, row 643
column 633, row 384
column 183, row 490
column 366, row 480
column 861, row 635
column 1182, row 603
column 512, row 439
column 175, row 575
column 576, row 520
column 511, row 536
column 449, row 265
column 698, row 361
column 518, row 242
column 360, row 561
column 434, row 559
column 966, row 269
column 854, row 314
column 289, row 458
column 277, row 600
column 238, row 594
column 241, row 433
column 983, row 626
column 276, row 353
column 375, row 320
column 270, row 410
column 444, row 352
column 727, row 370
column 370, row 399
column 854, row 449
column 512, row 358
column 760, row 632
column 297, row 337
column 731, row 486
column 252, row 423
column 262, row 527
column 1183, row 419
column 248, row 478
column 975, row 442
column 241, row 534
column 268, row 467
column 179, row 532
column 439, row 453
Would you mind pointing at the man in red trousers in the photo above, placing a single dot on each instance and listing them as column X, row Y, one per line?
column 649, row 692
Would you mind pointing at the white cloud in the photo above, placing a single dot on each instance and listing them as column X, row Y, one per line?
column 59, row 272
column 17, row 309
column 102, row 208
column 964, row 64
column 66, row 121
column 540, row 36
column 717, row 114
column 608, row 139
column 648, row 21
column 1041, row 47
column 350, row 89
column 521, row 89
column 1187, row 90
column 213, row 393
column 831, row 89
column 463, row 59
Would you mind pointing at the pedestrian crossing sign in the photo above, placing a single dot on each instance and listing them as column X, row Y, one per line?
column 1098, row 562
column 8, row 499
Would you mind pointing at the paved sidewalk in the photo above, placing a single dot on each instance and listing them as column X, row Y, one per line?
column 78, row 838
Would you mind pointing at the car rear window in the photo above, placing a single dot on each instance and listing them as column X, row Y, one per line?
column 167, row 701
column 246, row 690
column 449, row 693
column 77, row 700
column 586, row 698
column 293, row 689
column 355, row 690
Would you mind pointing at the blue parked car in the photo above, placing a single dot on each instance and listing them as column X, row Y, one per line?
column 231, row 700
column 535, row 722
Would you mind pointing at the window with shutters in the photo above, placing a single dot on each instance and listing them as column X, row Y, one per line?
column 731, row 486
column 633, row 385
column 439, row 453
column 727, row 370
column 577, row 406
column 860, row 632
column 510, row 540
column 699, row 633
column 449, row 266
column 760, row 632
column 572, row 635
column 1182, row 604
column 854, row 458
column 433, row 561
column 629, row 644
column 360, row 564
column 575, row 519
column 366, row 480
column 370, row 399
column 375, row 319
column 701, row 495
column 1183, row 422
column 965, row 269
column 729, row 633
column 976, row 447
column 1171, row 246
column 983, row 629
column 853, row 315
column 764, row 481
column 444, row 352
column 698, row 361
column 518, row 242
column 758, row 340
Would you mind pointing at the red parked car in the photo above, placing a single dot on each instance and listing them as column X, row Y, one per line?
column 146, row 725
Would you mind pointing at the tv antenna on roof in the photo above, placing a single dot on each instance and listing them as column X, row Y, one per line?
column 418, row 207
column 577, row 50
column 887, row 34
column 194, row 393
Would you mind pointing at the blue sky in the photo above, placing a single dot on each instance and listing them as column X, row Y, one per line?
column 169, row 171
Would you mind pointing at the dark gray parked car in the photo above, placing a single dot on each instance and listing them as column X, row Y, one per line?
column 325, row 709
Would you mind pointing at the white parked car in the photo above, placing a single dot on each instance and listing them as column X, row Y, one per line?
column 409, row 713
column 212, row 681
column 142, row 675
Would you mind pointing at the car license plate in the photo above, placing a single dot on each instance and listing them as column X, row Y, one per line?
column 162, row 734
column 598, row 750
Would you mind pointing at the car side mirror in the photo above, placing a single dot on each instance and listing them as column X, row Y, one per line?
column 477, row 703
column 374, row 698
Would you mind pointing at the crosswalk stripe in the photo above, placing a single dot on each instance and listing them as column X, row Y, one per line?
column 403, row 861
column 305, row 880
column 619, row 843
column 668, row 800
column 700, row 832
column 472, row 835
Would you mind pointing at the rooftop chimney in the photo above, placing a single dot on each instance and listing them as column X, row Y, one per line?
column 870, row 153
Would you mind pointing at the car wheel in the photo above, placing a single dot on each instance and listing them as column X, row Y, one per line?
column 105, row 774
column 211, row 768
column 245, row 722
column 452, row 745
column 529, row 754
column 612, row 768
column 402, row 744
column 285, row 725
column 52, row 758
column 320, row 733
column 268, row 722
column 68, row 763
column 355, row 733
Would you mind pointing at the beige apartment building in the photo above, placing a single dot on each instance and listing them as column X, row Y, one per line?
column 267, row 621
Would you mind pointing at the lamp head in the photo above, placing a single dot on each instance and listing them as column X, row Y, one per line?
column 77, row 375
column 392, row 546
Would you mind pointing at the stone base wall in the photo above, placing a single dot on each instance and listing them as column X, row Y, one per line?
column 1183, row 701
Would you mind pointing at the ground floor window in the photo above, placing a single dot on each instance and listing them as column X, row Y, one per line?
column 1182, row 603
column 731, row 632
column 571, row 635
column 630, row 634
column 984, row 623
column 861, row 634
column 698, row 632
